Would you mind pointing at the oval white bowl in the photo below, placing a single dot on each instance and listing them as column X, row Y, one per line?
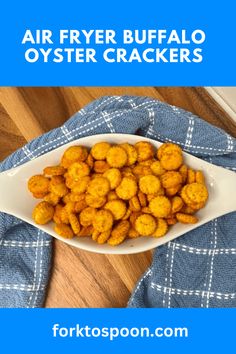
column 16, row 200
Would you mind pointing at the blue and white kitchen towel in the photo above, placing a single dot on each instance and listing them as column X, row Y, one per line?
column 196, row 270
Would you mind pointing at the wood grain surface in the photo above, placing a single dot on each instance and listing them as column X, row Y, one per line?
column 80, row 278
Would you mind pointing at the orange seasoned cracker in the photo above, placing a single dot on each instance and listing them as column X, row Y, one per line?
column 191, row 176
column 145, row 150
column 145, row 225
column 39, row 185
column 64, row 230
column 160, row 206
column 54, row 171
column 134, row 204
column 103, row 220
column 131, row 152
column 127, row 188
column 161, row 229
column 119, row 233
column 74, row 154
column 43, row 213
column 176, row 204
column 94, row 201
column 77, row 170
column 117, row 157
column 87, row 215
column 149, row 184
column 114, row 177
column 157, row 168
column 100, row 166
column 117, row 208
column 171, row 179
column 200, row 177
column 99, row 151
column 197, row 192
column 74, row 223
column 171, row 160
column 99, row 187
column 167, row 148
column 186, row 218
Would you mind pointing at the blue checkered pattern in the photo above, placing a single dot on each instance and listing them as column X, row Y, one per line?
column 195, row 270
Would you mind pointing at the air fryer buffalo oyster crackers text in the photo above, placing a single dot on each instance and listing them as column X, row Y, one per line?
column 116, row 192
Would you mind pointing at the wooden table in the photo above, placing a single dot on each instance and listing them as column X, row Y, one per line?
column 79, row 278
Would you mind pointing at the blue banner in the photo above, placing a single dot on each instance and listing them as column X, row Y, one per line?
column 125, row 43
column 117, row 330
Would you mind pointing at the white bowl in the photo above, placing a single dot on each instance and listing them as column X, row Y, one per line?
column 16, row 200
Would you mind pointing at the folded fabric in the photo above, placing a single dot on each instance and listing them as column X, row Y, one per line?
column 195, row 270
